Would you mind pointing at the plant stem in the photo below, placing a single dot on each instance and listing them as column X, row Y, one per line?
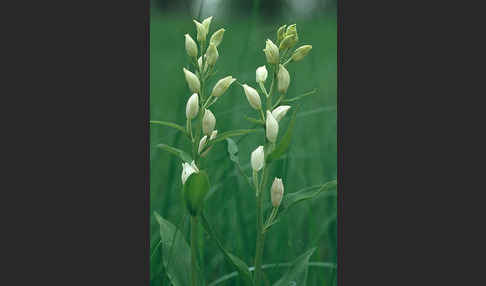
column 194, row 249
column 260, row 233
column 260, row 240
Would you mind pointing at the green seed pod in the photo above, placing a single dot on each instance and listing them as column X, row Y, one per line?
column 195, row 190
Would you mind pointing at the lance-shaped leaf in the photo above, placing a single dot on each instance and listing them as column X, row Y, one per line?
column 232, row 133
column 293, row 99
column 178, row 152
column 291, row 199
column 176, row 254
column 297, row 273
column 237, row 263
column 169, row 124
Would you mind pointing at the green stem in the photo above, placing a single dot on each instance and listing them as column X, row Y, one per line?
column 260, row 240
column 194, row 249
column 287, row 62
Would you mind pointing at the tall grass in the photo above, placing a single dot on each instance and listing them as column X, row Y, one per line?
column 311, row 160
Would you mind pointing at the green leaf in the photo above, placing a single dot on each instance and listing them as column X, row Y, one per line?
column 233, row 154
column 284, row 142
column 255, row 120
column 176, row 254
column 169, row 124
column 297, row 273
column 299, row 97
column 195, row 190
column 232, row 133
column 178, row 152
column 308, row 193
column 291, row 199
column 237, row 263
column 233, row 150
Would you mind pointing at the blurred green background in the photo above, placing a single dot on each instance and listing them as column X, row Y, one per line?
column 312, row 158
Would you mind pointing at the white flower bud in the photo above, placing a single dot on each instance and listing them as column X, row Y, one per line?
column 187, row 170
column 301, row 52
column 288, row 42
column 252, row 96
column 212, row 55
column 191, row 47
column 281, row 33
column 280, row 112
column 202, row 144
column 192, row 81
column 208, row 123
column 222, row 85
column 261, row 74
column 292, row 31
column 213, row 135
column 201, row 31
column 271, row 52
column 206, row 22
column 283, row 78
column 217, row 37
column 276, row 192
column 257, row 159
column 271, row 127
column 199, row 63
column 192, row 106
column 193, row 165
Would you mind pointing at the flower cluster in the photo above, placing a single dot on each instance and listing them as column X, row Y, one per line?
column 201, row 129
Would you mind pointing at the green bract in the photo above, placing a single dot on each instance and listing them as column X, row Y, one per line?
column 195, row 190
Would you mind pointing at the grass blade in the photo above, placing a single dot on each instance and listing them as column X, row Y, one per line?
column 240, row 265
column 297, row 273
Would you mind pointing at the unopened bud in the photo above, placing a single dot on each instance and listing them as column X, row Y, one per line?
column 271, row 52
column 212, row 55
column 201, row 31
column 288, row 42
column 261, row 74
column 283, row 78
column 207, row 22
column 276, row 192
column 192, row 81
column 199, row 63
column 281, row 33
column 187, row 170
column 257, row 159
column 222, row 86
column 202, row 144
column 192, row 106
column 191, row 47
column 213, row 134
column 280, row 112
column 208, row 123
column 252, row 96
column 292, row 30
column 217, row 37
column 301, row 52
column 271, row 127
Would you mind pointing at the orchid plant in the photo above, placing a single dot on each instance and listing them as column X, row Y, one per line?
column 200, row 130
